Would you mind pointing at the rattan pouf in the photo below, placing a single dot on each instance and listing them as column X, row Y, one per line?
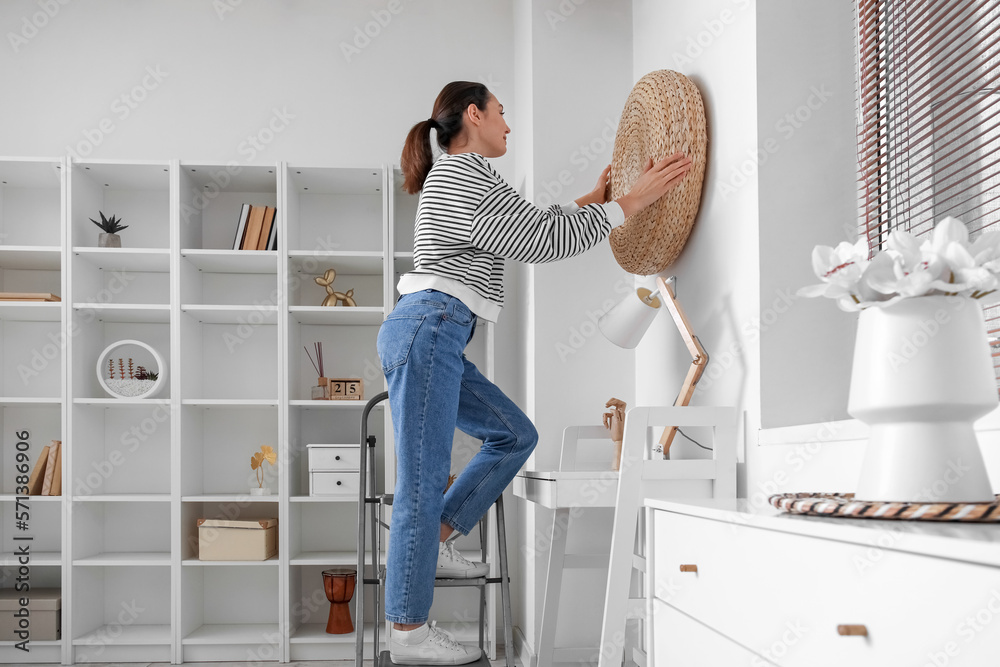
column 663, row 114
column 844, row 505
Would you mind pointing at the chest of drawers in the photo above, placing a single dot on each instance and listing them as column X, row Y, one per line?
column 333, row 470
column 732, row 584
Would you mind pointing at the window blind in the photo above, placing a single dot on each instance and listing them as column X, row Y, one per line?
column 929, row 119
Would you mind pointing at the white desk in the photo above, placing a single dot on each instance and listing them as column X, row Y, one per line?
column 567, row 490
column 564, row 489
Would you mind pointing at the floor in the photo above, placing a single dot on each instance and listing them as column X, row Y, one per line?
column 311, row 663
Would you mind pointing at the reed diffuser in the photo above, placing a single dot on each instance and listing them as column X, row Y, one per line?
column 321, row 392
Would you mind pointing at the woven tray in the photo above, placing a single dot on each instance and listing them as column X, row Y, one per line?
column 663, row 114
column 844, row 505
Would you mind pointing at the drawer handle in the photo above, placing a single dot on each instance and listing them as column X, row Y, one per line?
column 689, row 568
column 338, row 457
column 849, row 630
column 338, row 482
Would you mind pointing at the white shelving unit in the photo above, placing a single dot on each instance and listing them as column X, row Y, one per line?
column 32, row 372
column 122, row 542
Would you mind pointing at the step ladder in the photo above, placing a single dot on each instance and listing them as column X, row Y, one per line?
column 370, row 520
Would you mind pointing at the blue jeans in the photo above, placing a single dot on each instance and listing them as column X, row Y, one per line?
column 434, row 388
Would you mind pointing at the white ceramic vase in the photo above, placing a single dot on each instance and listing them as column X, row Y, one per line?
column 260, row 491
column 922, row 375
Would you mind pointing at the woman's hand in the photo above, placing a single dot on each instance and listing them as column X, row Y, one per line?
column 599, row 194
column 654, row 182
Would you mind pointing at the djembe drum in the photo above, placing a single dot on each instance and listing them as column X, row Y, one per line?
column 338, row 582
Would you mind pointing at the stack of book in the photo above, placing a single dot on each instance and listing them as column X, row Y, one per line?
column 46, row 478
column 28, row 296
column 256, row 229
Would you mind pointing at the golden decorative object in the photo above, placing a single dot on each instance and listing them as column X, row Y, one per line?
column 334, row 298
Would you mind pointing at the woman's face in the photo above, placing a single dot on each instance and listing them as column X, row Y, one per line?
column 494, row 130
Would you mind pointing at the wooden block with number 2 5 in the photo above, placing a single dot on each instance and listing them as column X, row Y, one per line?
column 347, row 389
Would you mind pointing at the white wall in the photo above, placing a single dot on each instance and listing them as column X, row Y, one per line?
column 714, row 44
column 808, row 196
column 580, row 75
column 224, row 74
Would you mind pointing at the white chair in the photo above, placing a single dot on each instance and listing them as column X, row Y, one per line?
column 644, row 477
column 569, row 490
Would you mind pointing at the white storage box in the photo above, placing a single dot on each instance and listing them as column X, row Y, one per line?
column 44, row 614
column 224, row 539
column 333, row 483
column 334, row 457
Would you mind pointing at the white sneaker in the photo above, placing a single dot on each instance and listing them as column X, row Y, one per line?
column 429, row 645
column 453, row 565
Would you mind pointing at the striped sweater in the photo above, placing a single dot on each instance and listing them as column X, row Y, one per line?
column 469, row 220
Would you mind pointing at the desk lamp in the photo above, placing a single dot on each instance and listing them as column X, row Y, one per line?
column 626, row 323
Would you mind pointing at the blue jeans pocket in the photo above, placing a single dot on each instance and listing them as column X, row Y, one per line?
column 461, row 314
column 395, row 338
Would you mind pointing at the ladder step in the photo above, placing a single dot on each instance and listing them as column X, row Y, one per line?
column 443, row 581
column 447, row 583
column 385, row 661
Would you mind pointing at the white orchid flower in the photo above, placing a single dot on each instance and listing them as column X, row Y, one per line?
column 907, row 267
column 906, row 246
column 950, row 230
column 966, row 275
column 878, row 283
column 985, row 251
column 839, row 268
column 943, row 263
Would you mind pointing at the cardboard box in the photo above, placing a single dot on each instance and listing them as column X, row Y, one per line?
column 225, row 539
column 44, row 613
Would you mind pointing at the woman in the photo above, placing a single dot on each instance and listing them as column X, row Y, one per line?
column 468, row 222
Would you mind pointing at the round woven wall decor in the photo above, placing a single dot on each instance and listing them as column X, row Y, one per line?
column 663, row 114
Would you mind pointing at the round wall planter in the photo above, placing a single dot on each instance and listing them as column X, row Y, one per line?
column 141, row 354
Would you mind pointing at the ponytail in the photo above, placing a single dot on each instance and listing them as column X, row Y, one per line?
column 449, row 107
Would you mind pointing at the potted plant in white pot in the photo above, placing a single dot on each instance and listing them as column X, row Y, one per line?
column 922, row 371
column 110, row 228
